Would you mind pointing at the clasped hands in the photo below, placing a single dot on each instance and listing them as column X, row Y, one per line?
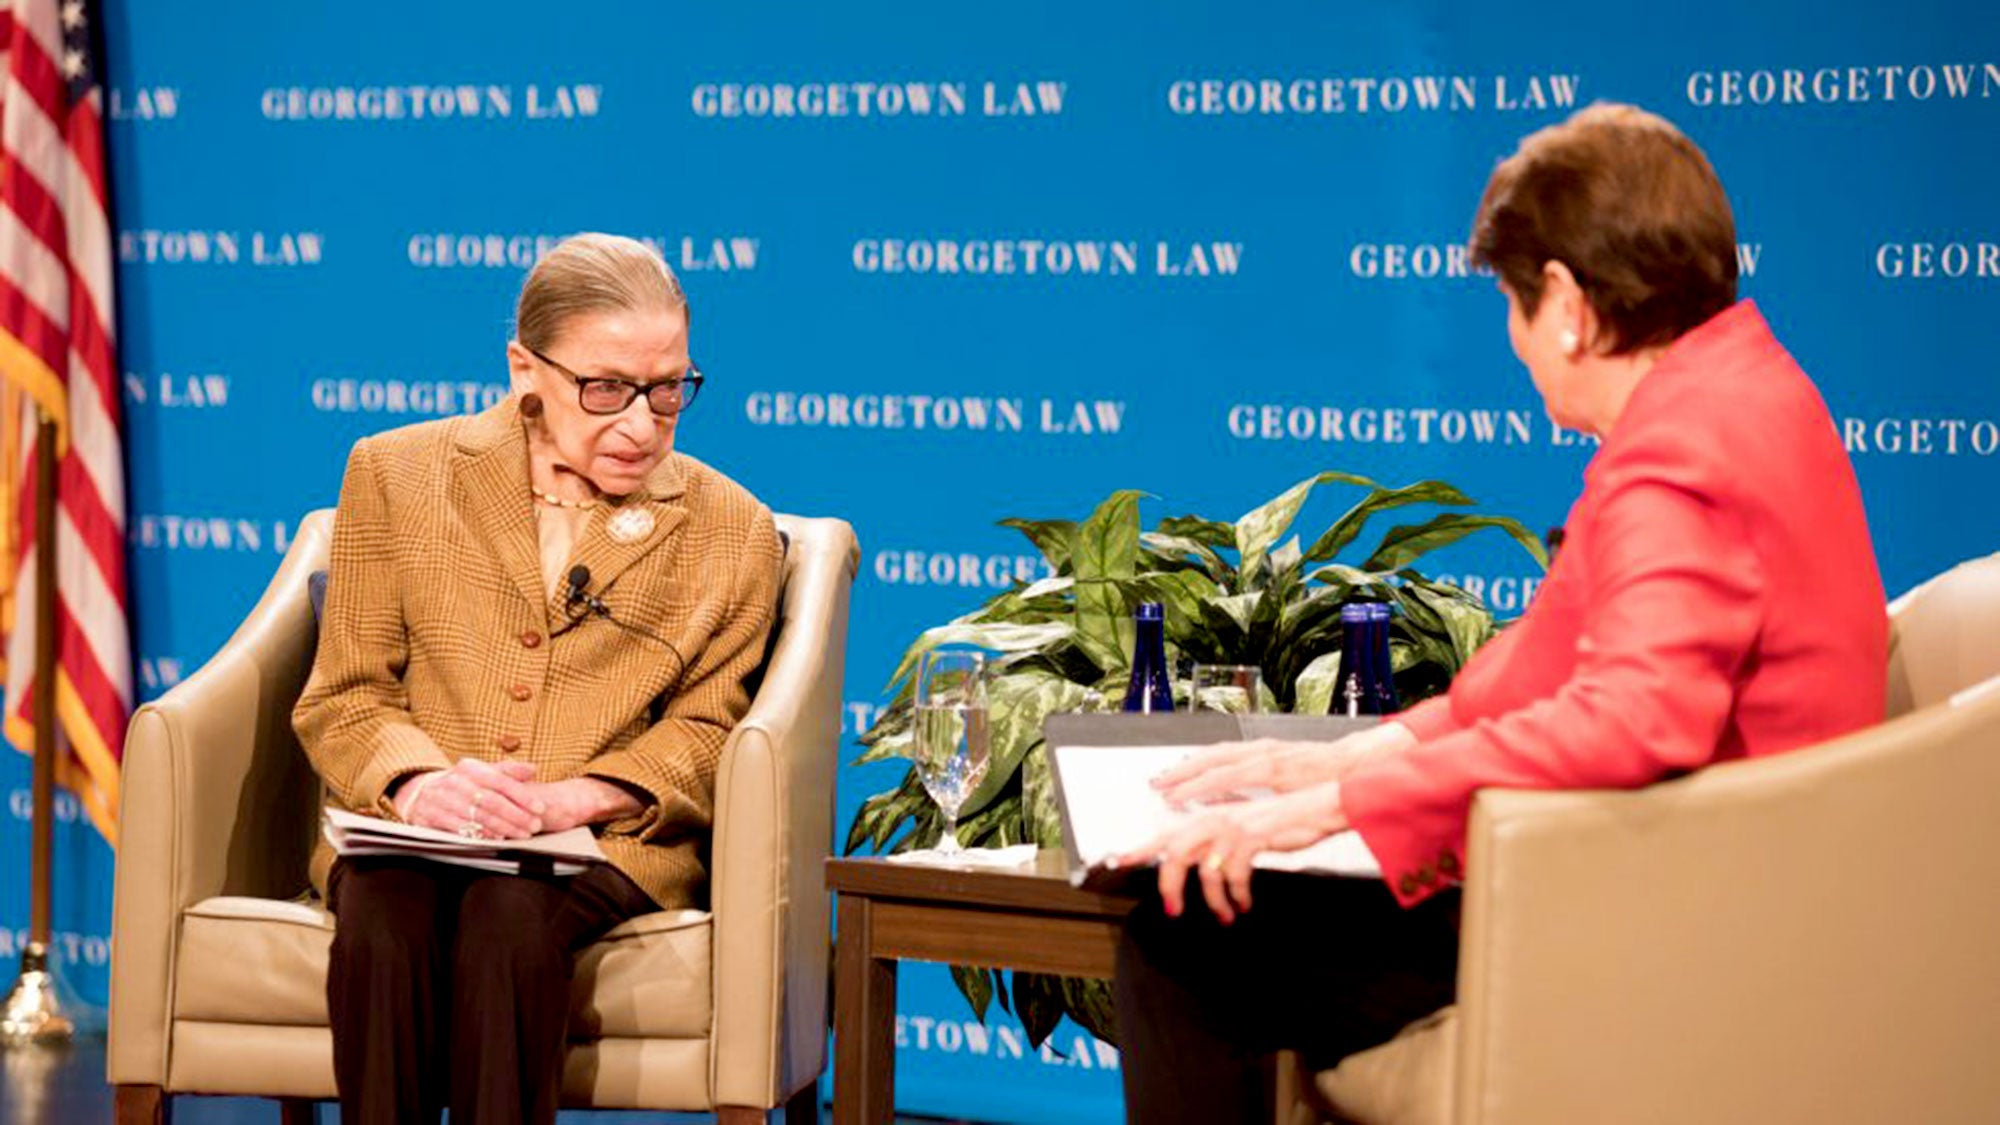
column 505, row 801
column 1261, row 795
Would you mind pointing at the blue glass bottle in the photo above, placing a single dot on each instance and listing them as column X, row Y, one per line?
column 1364, row 685
column 1352, row 694
column 1382, row 684
column 1152, row 686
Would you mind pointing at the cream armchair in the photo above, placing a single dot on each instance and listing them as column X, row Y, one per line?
column 1805, row 939
column 219, row 965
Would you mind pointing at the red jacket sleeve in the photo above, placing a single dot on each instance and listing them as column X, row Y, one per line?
column 1673, row 603
column 1431, row 718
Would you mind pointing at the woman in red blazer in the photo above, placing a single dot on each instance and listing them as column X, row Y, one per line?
column 1716, row 597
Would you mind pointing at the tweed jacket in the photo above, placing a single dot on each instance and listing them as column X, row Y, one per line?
column 440, row 642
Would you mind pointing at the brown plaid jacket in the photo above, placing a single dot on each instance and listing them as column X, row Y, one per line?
column 440, row 643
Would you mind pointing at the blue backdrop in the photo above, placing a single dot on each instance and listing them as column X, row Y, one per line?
column 953, row 263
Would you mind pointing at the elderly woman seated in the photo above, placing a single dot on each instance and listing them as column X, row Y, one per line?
column 538, row 617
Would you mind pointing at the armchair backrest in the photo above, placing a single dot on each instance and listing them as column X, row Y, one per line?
column 1945, row 635
column 269, row 831
column 774, row 830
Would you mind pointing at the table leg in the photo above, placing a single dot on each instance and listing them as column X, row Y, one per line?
column 864, row 1004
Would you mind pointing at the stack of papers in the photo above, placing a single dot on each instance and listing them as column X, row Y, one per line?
column 1000, row 859
column 553, row 853
column 1110, row 807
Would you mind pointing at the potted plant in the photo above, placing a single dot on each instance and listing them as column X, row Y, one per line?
column 1234, row 594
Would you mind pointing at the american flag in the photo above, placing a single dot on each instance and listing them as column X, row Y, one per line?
column 56, row 352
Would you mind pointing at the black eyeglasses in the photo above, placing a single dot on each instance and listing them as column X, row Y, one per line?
column 611, row 396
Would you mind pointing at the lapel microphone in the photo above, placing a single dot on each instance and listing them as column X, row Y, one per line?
column 579, row 594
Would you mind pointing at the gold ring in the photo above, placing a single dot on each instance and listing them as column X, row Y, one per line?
column 1213, row 862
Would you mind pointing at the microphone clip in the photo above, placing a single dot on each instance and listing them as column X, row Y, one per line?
column 579, row 593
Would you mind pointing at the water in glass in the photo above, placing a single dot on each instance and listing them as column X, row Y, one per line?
column 951, row 744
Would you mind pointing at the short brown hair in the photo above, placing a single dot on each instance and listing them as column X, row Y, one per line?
column 1631, row 206
column 592, row 273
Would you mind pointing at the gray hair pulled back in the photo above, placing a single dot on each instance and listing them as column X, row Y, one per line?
column 593, row 273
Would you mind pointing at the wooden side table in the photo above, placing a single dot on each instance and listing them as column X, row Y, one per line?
column 1029, row 919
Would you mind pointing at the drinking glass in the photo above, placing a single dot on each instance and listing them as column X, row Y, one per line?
column 1234, row 688
column 951, row 733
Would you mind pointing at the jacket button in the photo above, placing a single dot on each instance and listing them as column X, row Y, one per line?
column 521, row 692
column 531, row 639
column 1408, row 885
column 1427, row 875
column 1448, row 864
column 508, row 743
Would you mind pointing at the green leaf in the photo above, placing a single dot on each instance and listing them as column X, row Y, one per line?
column 976, row 985
column 1368, row 583
column 998, row 825
column 1038, row 1003
column 1016, row 708
column 1181, row 592
column 1033, row 603
column 1430, row 652
column 999, row 636
column 1240, row 609
column 1469, row 627
column 1055, row 539
column 897, row 745
column 1265, row 614
column 881, row 815
column 1212, row 533
column 1107, row 547
column 1090, row 1005
column 1175, row 548
column 1041, row 817
column 1348, row 527
column 1405, row 543
column 1262, row 526
column 1286, row 559
column 1417, row 615
column 1046, row 587
column 1313, row 690
column 926, row 828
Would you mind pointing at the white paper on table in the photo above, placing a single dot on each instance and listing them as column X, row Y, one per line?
column 1110, row 807
column 1019, row 855
column 353, row 834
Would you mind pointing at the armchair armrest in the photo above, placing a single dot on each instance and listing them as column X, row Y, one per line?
column 1797, row 938
column 217, row 799
column 773, row 832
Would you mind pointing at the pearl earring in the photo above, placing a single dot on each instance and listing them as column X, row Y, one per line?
column 1569, row 342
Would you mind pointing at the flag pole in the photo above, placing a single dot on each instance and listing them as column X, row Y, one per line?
column 32, row 1014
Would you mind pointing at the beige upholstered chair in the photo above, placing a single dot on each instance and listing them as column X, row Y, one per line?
column 1805, row 939
column 219, row 966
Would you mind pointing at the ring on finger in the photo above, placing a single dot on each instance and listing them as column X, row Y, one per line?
column 1213, row 862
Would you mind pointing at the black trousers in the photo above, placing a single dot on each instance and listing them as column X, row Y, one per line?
column 452, row 985
column 1322, row 966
